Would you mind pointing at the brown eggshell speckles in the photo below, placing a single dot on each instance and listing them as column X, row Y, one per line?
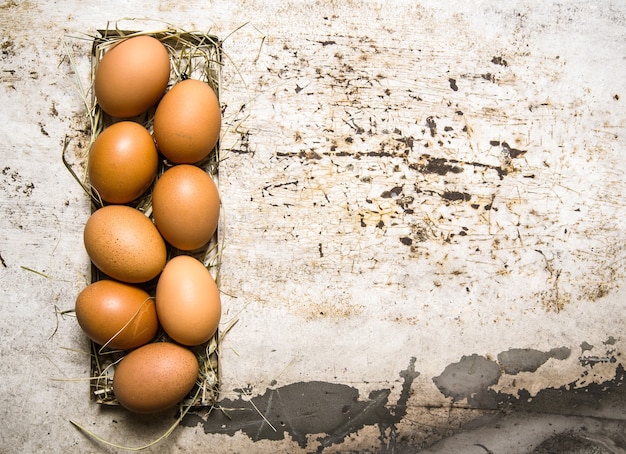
column 155, row 377
column 124, row 244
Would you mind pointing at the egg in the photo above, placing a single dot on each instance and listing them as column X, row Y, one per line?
column 154, row 377
column 122, row 162
column 186, row 206
column 187, row 122
column 120, row 316
column 188, row 301
column 132, row 76
column 124, row 244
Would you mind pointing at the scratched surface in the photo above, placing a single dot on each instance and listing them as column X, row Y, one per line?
column 420, row 191
column 423, row 226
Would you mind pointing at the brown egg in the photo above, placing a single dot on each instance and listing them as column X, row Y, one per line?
column 132, row 76
column 124, row 244
column 155, row 377
column 186, row 206
column 188, row 301
column 122, row 162
column 187, row 122
column 119, row 315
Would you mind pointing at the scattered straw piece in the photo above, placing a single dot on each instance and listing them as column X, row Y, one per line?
column 35, row 271
column 184, row 411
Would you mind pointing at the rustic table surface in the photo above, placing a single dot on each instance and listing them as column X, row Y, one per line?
column 422, row 232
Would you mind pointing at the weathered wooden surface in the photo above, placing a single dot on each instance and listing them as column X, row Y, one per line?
column 422, row 189
column 423, row 221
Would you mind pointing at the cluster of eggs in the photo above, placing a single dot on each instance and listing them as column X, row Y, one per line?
column 132, row 249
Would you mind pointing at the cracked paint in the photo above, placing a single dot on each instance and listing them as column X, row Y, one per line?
column 320, row 415
column 316, row 415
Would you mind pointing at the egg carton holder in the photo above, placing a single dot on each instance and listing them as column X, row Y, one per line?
column 193, row 55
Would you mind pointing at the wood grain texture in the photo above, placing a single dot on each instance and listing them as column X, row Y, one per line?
column 406, row 188
column 417, row 183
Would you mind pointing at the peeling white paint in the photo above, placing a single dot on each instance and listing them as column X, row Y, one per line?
column 400, row 181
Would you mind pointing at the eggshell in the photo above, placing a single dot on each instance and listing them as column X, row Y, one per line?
column 132, row 76
column 124, row 244
column 122, row 316
column 154, row 377
column 188, row 301
column 122, row 162
column 186, row 206
column 187, row 122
